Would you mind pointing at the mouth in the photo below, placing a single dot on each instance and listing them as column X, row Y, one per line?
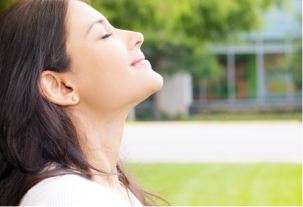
column 139, row 61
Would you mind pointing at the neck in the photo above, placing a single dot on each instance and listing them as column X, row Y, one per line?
column 100, row 135
column 100, row 140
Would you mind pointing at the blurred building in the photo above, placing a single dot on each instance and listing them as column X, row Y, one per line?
column 255, row 71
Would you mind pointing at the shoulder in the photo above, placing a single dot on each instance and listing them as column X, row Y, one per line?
column 70, row 190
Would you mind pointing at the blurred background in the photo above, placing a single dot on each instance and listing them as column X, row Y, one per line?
column 226, row 128
column 226, row 60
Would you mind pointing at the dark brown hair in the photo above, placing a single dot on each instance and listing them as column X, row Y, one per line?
column 34, row 131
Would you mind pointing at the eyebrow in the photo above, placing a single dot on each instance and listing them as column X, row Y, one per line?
column 99, row 21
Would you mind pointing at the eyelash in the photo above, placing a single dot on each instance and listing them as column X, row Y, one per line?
column 106, row 36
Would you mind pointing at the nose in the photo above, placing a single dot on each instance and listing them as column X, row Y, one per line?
column 134, row 40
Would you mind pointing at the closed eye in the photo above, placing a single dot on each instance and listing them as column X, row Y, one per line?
column 106, row 36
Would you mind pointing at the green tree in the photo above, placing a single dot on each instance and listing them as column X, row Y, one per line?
column 178, row 32
column 294, row 64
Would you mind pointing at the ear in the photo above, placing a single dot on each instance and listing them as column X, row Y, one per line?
column 56, row 88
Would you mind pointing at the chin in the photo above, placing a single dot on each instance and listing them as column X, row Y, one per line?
column 158, row 83
column 155, row 83
column 150, row 83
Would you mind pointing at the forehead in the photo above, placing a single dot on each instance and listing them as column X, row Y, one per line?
column 80, row 16
column 78, row 8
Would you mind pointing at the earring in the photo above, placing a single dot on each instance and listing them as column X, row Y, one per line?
column 74, row 98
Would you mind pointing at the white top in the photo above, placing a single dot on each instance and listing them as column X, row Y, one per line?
column 72, row 190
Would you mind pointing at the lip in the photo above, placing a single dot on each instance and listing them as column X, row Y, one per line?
column 139, row 61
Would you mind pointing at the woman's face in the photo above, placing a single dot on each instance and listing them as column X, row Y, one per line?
column 109, row 71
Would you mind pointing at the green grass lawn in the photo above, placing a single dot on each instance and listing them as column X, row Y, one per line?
column 264, row 184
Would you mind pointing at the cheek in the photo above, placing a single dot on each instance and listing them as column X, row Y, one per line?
column 105, row 79
column 102, row 74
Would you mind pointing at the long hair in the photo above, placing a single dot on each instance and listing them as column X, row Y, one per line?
column 33, row 130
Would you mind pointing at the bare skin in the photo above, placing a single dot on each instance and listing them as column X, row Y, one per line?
column 107, row 83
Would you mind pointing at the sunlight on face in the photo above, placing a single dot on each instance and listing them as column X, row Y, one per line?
column 108, row 66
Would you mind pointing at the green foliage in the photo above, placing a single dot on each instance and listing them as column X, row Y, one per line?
column 294, row 64
column 177, row 32
column 172, row 58
column 4, row 4
column 184, row 21
column 264, row 184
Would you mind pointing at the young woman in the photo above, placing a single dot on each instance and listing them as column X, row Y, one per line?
column 67, row 82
